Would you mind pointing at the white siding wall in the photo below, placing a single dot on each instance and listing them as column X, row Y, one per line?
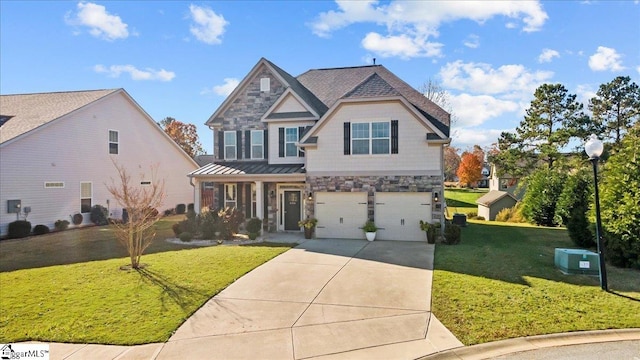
column 75, row 149
column 273, row 142
column 414, row 153
column 290, row 104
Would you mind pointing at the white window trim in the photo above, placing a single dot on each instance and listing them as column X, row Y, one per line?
column 371, row 138
column 226, row 191
column 261, row 144
column 290, row 142
column 82, row 198
column 117, row 142
column 54, row 185
column 235, row 145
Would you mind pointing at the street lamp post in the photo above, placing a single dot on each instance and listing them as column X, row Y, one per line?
column 593, row 147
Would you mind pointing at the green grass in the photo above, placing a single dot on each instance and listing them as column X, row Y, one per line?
column 462, row 200
column 96, row 302
column 500, row 282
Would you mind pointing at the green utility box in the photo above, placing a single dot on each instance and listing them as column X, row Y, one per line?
column 577, row 261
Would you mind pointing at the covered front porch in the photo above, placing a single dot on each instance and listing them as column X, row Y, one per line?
column 273, row 193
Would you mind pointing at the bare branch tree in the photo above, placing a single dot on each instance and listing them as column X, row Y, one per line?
column 434, row 91
column 141, row 202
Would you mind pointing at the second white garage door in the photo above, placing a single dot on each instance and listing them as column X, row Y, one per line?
column 341, row 214
column 398, row 215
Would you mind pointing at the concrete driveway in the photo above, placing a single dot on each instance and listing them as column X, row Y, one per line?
column 325, row 299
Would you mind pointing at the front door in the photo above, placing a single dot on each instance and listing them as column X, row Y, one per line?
column 291, row 210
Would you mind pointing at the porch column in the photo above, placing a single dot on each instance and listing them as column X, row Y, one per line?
column 197, row 194
column 259, row 201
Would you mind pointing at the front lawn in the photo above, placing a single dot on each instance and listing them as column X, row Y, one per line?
column 96, row 302
column 500, row 282
column 462, row 200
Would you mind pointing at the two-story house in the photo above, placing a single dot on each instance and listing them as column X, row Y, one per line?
column 343, row 145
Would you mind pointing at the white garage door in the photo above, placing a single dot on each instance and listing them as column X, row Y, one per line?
column 341, row 215
column 398, row 215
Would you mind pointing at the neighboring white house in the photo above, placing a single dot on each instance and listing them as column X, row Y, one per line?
column 56, row 152
column 343, row 145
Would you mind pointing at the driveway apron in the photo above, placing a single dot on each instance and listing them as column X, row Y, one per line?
column 325, row 299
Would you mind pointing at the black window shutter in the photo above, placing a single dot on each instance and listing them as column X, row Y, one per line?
column 300, row 133
column 239, row 144
column 239, row 196
column 248, row 202
column 221, row 196
column 281, row 142
column 221, row 145
column 265, row 141
column 247, row 144
column 394, row 136
column 347, row 138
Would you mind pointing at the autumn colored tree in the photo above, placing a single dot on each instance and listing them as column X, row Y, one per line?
column 185, row 135
column 470, row 169
column 451, row 163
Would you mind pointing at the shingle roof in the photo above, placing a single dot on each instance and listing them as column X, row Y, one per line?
column 493, row 196
column 30, row 111
column 331, row 85
column 248, row 168
column 373, row 86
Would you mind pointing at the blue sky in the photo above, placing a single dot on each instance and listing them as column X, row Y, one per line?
column 181, row 59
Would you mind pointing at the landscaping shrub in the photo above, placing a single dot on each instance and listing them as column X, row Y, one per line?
column 543, row 190
column 177, row 229
column 19, row 229
column 40, row 229
column 452, row 234
column 169, row 212
column 77, row 219
column 186, row 236
column 61, row 225
column 180, row 209
column 191, row 223
column 99, row 215
column 512, row 214
column 230, row 220
column 253, row 228
column 472, row 214
column 573, row 205
column 478, row 218
column 209, row 224
column 191, row 207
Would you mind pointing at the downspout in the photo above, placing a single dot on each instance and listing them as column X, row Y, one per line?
column 194, row 192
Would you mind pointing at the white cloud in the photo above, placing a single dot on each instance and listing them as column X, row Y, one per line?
column 402, row 46
column 467, row 137
column 223, row 90
column 101, row 24
column 136, row 74
column 474, row 110
column 483, row 79
column 547, row 55
column 605, row 59
column 472, row 41
column 410, row 24
column 208, row 26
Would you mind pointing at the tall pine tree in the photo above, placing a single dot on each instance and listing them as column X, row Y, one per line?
column 616, row 107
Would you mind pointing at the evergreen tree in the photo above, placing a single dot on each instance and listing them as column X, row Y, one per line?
column 573, row 205
column 616, row 107
column 543, row 190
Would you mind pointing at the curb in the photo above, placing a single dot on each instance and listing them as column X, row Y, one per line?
column 510, row 346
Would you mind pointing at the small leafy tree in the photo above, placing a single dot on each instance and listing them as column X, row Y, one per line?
column 620, row 202
column 573, row 206
column 141, row 202
column 543, row 190
column 451, row 163
column 470, row 170
column 185, row 135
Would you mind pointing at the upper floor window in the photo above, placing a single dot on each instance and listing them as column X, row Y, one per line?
column 370, row 138
column 265, row 84
column 113, row 142
column 290, row 140
column 257, row 144
column 230, row 145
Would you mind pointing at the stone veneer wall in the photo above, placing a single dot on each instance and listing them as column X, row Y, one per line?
column 373, row 184
column 245, row 111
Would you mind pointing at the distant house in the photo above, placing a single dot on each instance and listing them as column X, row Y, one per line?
column 56, row 152
column 485, row 173
column 504, row 182
column 490, row 204
column 343, row 145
